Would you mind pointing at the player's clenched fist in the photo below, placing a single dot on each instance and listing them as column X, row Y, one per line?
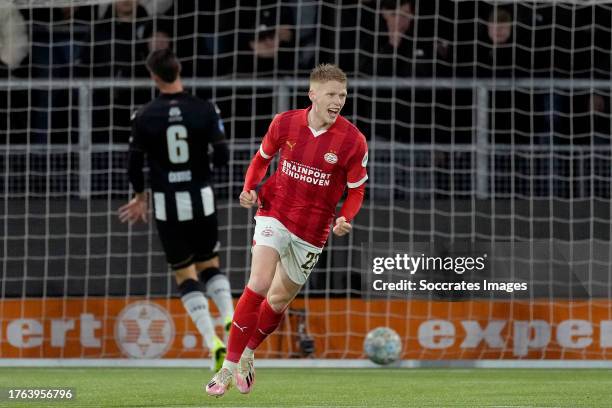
column 248, row 198
column 342, row 227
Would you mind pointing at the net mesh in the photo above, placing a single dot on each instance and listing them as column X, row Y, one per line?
column 494, row 126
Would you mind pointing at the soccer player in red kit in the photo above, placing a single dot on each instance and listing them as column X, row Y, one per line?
column 321, row 153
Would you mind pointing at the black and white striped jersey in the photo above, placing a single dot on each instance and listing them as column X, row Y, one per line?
column 174, row 132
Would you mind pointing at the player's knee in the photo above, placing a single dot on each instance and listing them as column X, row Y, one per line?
column 185, row 273
column 213, row 262
column 278, row 302
column 261, row 278
column 189, row 286
column 258, row 285
column 207, row 274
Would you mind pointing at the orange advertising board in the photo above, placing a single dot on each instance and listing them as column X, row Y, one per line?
column 159, row 328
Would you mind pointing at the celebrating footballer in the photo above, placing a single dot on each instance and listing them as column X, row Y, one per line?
column 321, row 154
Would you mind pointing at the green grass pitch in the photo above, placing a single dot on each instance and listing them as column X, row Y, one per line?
column 175, row 387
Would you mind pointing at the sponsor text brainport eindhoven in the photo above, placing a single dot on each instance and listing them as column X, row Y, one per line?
column 408, row 264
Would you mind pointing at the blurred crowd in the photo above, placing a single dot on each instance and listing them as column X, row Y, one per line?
column 367, row 38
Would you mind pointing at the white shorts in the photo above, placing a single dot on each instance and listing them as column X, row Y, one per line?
column 297, row 256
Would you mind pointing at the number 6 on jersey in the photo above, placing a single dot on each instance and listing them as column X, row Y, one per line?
column 178, row 149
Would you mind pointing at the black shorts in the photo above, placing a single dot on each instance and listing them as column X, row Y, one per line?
column 187, row 242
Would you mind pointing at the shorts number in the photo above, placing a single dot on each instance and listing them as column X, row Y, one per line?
column 311, row 260
column 178, row 149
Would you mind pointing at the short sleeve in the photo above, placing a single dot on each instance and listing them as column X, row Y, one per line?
column 357, row 166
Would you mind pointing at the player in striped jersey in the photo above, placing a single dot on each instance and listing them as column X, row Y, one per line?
column 174, row 132
column 321, row 154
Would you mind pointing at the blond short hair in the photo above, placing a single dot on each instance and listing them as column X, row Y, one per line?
column 327, row 72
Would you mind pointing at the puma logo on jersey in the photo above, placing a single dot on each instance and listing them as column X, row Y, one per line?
column 242, row 329
column 290, row 144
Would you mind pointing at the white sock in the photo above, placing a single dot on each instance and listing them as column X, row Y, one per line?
column 248, row 353
column 196, row 305
column 218, row 289
column 230, row 365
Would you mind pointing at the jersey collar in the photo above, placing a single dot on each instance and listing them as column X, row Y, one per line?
column 171, row 95
column 311, row 130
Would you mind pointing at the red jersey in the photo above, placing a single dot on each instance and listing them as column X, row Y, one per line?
column 313, row 170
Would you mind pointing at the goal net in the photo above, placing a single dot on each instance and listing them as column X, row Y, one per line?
column 489, row 137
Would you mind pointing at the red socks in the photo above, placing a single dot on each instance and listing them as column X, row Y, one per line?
column 244, row 323
column 268, row 322
column 254, row 320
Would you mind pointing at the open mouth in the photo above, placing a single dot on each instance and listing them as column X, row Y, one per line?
column 333, row 112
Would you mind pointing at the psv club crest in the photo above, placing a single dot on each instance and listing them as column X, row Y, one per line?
column 144, row 330
column 331, row 157
column 267, row 232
